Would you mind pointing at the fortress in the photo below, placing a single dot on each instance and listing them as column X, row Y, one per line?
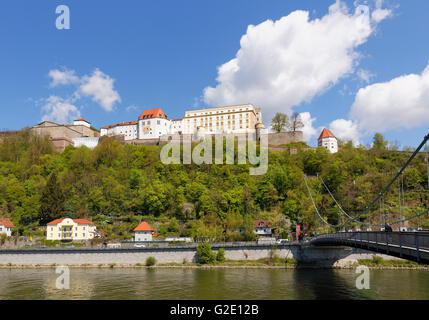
column 154, row 123
column 153, row 127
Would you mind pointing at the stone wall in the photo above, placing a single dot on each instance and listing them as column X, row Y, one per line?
column 54, row 130
column 318, row 256
column 282, row 138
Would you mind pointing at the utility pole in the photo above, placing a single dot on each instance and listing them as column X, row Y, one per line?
column 427, row 165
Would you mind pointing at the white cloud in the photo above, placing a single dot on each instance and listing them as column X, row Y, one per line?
column 400, row 103
column 131, row 108
column 365, row 75
column 379, row 13
column 62, row 77
column 345, row 130
column 309, row 131
column 284, row 63
column 99, row 87
column 59, row 110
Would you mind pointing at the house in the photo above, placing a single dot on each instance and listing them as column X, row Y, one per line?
column 262, row 228
column 328, row 141
column 143, row 232
column 70, row 229
column 6, row 226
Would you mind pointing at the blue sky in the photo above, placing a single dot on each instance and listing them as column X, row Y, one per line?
column 165, row 53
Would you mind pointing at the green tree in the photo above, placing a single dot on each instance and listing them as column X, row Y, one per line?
column 52, row 201
column 220, row 257
column 279, row 122
column 378, row 142
column 205, row 253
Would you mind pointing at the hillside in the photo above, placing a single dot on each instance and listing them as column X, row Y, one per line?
column 118, row 186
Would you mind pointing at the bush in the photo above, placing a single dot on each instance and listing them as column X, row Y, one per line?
column 151, row 261
column 220, row 257
column 205, row 254
column 377, row 260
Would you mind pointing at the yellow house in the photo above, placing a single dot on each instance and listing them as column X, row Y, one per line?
column 70, row 229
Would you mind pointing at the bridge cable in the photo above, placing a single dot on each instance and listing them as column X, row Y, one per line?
column 380, row 195
column 359, row 222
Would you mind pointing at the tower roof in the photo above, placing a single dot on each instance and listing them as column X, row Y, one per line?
column 144, row 226
column 326, row 134
column 153, row 113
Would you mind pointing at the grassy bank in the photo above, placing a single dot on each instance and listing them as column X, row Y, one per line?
column 265, row 263
column 378, row 262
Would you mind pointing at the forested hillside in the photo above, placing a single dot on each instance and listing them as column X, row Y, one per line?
column 117, row 186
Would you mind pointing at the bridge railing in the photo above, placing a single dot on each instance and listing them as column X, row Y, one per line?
column 415, row 244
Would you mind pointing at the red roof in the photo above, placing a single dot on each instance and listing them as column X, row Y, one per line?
column 78, row 221
column 120, row 124
column 83, row 221
column 326, row 134
column 258, row 222
column 144, row 226
column 56, row 221
column 6, row 222
column 82, row 119
column 153, row 113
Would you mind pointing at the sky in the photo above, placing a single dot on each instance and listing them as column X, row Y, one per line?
column 355, row 67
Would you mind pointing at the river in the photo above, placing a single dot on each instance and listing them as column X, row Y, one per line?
column 211, row 284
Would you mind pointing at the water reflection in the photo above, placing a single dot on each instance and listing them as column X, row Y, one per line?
column 215, row 284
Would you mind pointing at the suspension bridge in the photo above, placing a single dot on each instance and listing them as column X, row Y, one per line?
column 412, row 246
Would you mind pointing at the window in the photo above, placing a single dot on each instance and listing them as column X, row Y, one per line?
column 158, row 122
column 83, row 235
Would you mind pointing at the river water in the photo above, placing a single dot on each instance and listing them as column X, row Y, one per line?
column 212, row 284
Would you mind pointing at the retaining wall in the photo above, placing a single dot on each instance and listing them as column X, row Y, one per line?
column 334, row 256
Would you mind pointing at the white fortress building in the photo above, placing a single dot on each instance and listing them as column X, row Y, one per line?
column 154, row 123
column 328, row 141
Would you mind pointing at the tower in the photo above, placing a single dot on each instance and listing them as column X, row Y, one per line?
column 328, row 141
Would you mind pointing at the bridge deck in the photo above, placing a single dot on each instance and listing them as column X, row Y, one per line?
column 407, row 245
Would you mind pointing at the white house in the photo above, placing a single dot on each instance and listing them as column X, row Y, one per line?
column 82, row 122
column 6, row 226
column 127, row 129
column 153, row 124
column 143, row 232
column 328, row 141
column 262, row 228
column 70, row 229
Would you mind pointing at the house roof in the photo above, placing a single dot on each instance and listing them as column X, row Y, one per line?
column 78, row 221
column 144, row 226
column 120, row 124
column 257, row 223
column 82, row 119
column 6, row 222
column 326, row 134
column 153, row 113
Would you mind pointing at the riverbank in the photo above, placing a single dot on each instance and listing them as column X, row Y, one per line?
column 375, row 264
